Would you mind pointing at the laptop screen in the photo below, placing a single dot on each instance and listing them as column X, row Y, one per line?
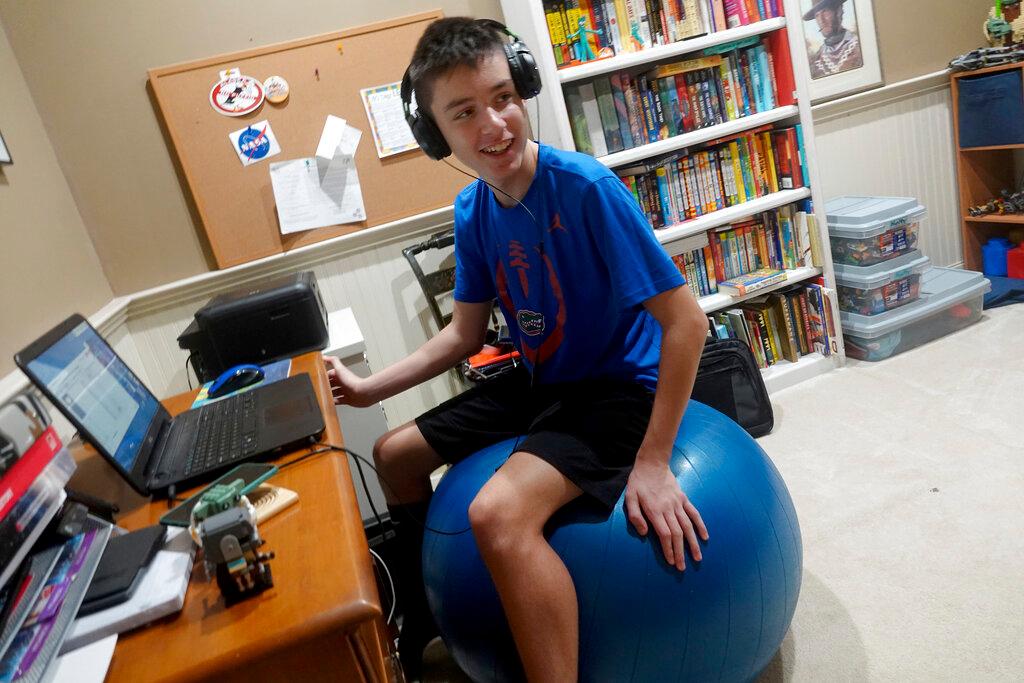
column 89, row 380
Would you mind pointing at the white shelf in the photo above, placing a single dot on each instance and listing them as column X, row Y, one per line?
column 696, row 137
column 730, row 214
column 654, row 54
column 786, row 374
column 714, row 302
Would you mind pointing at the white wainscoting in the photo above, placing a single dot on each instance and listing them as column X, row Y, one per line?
column 897, row 141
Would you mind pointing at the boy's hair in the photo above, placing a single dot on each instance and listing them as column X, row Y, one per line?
column 446, row 44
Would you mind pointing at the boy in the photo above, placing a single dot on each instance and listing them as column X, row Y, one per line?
column 591, row 298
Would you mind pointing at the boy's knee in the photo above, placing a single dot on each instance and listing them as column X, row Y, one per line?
column 495, row 521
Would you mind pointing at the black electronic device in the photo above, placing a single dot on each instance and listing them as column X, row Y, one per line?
column 124, row 560
column 111, row 408
column 525, row 77
column 276, row 318
column 252, row 473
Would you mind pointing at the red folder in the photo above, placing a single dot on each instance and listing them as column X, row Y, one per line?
column 21, row 475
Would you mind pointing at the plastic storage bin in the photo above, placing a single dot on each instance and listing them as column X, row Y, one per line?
column 951, row 299
column 870, row 290
column 864, row 231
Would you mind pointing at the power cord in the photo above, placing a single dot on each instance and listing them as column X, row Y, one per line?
column 391, row 584
column 328, row 447
column 187, row 378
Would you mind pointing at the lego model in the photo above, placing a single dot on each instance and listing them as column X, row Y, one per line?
column 224, row 526
column 1007, row 203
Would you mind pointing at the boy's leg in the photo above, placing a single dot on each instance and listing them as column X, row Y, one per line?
column 405, row 461
column 537, row 593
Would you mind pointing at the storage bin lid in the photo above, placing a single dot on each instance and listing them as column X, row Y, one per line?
column 940, row 288
column 880, row 274
column 856, row 217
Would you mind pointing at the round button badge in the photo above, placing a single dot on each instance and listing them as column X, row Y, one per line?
column 276, row 89
column 236, row 95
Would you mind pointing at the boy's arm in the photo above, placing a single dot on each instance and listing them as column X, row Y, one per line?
column 652, row 490
column 463, row 336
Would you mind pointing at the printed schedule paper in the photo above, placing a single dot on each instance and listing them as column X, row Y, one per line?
column 321, row 190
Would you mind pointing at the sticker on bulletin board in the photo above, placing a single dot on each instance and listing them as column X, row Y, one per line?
column 254, row 143
column 236, row 95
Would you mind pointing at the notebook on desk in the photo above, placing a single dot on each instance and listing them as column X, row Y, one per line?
column 111, row 408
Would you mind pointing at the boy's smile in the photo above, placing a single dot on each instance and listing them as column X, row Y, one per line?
column 483, row 120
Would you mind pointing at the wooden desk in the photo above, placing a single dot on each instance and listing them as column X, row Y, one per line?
column 321, row 620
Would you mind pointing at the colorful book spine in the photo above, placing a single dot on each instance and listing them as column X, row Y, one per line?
column 621, row 110
column 609, row 118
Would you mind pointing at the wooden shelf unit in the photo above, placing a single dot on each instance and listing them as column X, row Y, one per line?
column 982, row 172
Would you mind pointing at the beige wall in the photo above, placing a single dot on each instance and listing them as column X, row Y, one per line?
column 85, row 63
column 917, row 37
column 48, row 267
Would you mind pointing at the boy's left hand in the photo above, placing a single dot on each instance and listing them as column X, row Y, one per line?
column 652, row 493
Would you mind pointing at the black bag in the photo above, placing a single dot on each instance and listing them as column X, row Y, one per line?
column 729, row 381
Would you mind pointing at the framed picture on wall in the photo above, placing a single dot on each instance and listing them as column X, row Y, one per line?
column 842, row 52
column 5, row 156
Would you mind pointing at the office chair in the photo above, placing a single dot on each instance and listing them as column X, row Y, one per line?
column 500, row 357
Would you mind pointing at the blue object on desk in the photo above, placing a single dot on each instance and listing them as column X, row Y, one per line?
column 233, row 379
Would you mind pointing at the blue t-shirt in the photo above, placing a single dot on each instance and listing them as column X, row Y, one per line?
column 572, row 287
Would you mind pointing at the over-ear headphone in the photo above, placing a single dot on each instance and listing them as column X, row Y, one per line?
column 525, row 78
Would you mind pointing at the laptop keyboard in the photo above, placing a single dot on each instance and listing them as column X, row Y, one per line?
column 226, row 432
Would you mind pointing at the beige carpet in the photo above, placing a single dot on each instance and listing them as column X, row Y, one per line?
column 908, row 478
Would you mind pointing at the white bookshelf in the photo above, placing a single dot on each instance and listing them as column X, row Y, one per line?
column 550, row 121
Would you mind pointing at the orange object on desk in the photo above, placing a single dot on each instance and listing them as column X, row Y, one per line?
column 322, row 619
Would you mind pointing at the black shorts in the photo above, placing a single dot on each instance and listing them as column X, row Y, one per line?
column 590, row 431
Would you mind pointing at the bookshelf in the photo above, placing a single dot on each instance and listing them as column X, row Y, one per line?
column 982, row 172
column 550, row 119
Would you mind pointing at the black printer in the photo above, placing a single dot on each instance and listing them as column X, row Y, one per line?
column 276, row 318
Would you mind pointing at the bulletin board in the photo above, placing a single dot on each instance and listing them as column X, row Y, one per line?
column 325, row 74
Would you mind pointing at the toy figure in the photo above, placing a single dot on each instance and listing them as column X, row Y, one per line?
column 1004, row 25
column 224, row 526
column 582, row 35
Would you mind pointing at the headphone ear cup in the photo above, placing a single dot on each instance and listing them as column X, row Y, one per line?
column 523, row 67
column 429, row 137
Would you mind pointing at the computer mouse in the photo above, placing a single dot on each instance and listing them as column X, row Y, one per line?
column 235, row 378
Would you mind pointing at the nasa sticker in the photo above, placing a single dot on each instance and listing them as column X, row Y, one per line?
column 235, row 94
column 254, row 143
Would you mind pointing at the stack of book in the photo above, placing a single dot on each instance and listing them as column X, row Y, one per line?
column 784, row 325
column 625, row 110
column 683, row 185
column 751, row 254
column 612, row 27
column 43, row 575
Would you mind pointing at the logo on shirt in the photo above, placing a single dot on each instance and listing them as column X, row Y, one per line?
column 556, row 224
column 531, row 323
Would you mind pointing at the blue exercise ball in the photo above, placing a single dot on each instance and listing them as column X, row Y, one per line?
column 640, row 619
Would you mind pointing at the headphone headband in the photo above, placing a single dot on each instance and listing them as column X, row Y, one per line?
column 525, row 78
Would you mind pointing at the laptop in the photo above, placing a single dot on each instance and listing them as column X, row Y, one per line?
column 93, row 387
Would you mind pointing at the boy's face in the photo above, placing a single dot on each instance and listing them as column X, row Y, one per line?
column 483, row 118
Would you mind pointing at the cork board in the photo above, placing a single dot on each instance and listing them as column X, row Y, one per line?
column 325, row 74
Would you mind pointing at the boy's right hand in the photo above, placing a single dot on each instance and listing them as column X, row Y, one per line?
column 346, row 386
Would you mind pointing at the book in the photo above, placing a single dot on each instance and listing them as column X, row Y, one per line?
column 787, row 328
column 24, row 472
column 556, row 32
column 592, row 116
column 753, row 281
column 621, row 110
column 577, row 120
column 608, row 115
